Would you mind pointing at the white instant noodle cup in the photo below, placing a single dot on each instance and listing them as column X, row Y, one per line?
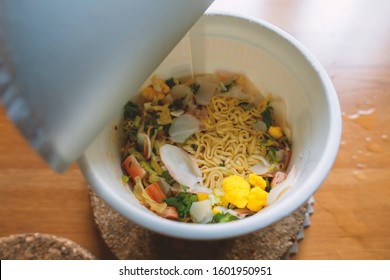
column 305, row 105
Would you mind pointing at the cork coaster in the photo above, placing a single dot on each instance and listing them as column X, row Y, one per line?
column 130, row 241
column 39, row 246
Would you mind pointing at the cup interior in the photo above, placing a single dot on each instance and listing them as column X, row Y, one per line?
column 305, row 103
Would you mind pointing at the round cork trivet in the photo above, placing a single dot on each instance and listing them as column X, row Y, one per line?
column 39, row 246
column 130, row 241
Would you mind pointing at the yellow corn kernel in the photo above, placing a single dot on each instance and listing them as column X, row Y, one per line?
column 224, row 202
column 160, row 95
column 216, row 210
column 257, row 181
column 149, row 93
column 257, row 199
column 202, row 196
column 275, row 131
column 164, row 87
column 236, row 190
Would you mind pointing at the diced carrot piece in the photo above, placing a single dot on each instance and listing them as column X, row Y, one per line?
column 155, row 192
column 133, row 168
column 170, row 213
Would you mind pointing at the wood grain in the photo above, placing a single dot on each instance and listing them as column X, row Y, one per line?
column 351, row 38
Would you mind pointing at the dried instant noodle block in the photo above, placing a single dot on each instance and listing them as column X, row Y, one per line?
column 129, row 241
column 39, row 246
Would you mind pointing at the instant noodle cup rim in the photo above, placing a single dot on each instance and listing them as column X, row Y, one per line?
column 278, row 64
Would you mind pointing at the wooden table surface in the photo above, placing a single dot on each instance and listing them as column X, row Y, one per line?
column 351, row 38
